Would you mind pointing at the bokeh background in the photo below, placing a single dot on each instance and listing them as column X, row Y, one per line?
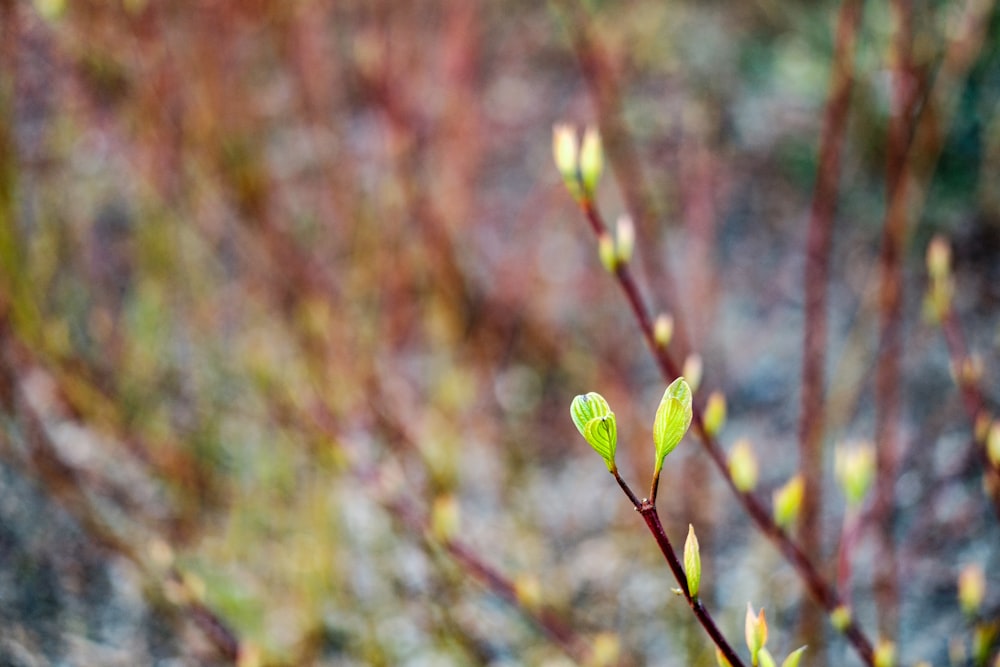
column 294, row 303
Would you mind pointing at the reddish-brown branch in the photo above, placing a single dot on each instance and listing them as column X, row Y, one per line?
column 623, row 156
column 814, row 581
column 652, row 519
column 887, row 371
column 972, row 400
column 551, row 625
column 811, row 416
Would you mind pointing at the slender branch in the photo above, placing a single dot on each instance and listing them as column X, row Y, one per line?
column 647, row 508
column 887, row 371
column 652, row 519
column 972, row 400
column 816, row 584
column 812, row 413
column 628, row 491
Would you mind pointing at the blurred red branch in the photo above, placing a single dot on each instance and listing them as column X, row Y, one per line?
column 817, row 275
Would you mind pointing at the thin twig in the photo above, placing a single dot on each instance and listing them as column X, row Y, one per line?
column 647, row 508
column 812, row 412
column 816, row 584
column 887, row 370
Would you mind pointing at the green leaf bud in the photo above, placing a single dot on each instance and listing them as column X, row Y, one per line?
column 663, row 329
column 794, row 657
column 673, row 418
column 715, row 412
column 692, row 562
column 765, row 659
column 755, row 631
column 444, row 521
column 971, row 588
column 885, row 653
column 788, row 501
column 939, row 258
column 720, row 659
column 596, row 422
column 606, row 251
column 993, row 444
column 743, row 466
column 854, row 467
column 624, row 239
column 566, row 151
column 692, row 370
column 840, row 618
column 607, row 648
column 591, row 161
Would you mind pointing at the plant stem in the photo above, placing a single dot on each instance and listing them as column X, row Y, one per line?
column 812, row 413
column 652, row 518
column 628, row 491
column 817, row 585
column 647, row 508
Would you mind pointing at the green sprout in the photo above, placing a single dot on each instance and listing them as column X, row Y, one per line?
column 673, row 418
column 596, row 422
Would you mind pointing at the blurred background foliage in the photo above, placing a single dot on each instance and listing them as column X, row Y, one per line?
column 294, row 305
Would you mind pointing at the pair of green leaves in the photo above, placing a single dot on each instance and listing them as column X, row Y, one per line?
column 596, row 422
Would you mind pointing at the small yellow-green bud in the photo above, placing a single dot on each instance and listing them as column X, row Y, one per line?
column 794, row 657
column 982, row 640
column 715, row 412
column 692, row 370
column 788, row 501
column 663, row 329
column 854, row 467
column 993, row 444
column 50, row 10
column 765, row 659
column 566, row 152
column 743, row 465
column 606, row 251
column 840, row 618
column 624, row 239
column 606, row 650
column 528, row 591
column 444, row 517
column 885, row 653
column 720, row 659
column 971, row 588
column 591, row 161
column 939, row 258
column 692, row 562
column 565, row 149
column 755, row 631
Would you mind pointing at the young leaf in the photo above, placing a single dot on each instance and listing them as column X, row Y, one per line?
column 673, row 418
column 596, row 422
column 591, row 161
column 602, row 434
column 794, row 657
column 788, row 501
column 692, row 562
column 755, row 630
column 715, row 412
column 587, row 407
column 765, row 659
column 743, row 465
